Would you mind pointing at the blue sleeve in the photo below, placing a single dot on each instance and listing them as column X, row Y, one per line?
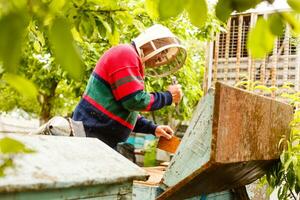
column 144, row 126
column 160, row 99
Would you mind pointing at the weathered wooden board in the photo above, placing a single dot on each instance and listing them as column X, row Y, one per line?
column 232, row 139
column 68, row 167
column 104, row 192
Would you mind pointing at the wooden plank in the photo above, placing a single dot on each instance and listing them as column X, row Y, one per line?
column 242, row 116
column 216, row 59
column 193, row 153
column 238, row 50
column 227, row 43
column 231, row 141
column 107, row 192
column 274, row 68
column 155, row 175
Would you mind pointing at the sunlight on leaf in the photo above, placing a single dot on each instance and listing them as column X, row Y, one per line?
column 292, row 21
column 22, row 85
column 197, row 10
column 170, row 8
column 57, row 5
column 261, row 40
column 152, row 8
column 64, row 49
column 295, row 4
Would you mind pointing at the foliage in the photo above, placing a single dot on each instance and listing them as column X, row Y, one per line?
column 261, row 38
column 286, row 175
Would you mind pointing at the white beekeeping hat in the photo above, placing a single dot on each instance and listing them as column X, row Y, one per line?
column 160, row 51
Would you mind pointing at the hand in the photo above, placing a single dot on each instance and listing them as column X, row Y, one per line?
column 164, row 131
column 176, row 92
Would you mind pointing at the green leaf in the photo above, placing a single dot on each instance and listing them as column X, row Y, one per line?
column 7, row 162
column 57, row 5
column 223, row 10
column 78, row 3
column 276, row 24
column 152, row 8
column 243, row 5
column 64, row 48
column 22, row 85
column 292, row 21
column 260, row 40
column 170, row 8
column 12, row 146
column 197, row 10
column 106, row 25
column 86, row 26
column 263, row 88
column 114, row 38
column 11, row 36
column 101, row 28
column 295, row 4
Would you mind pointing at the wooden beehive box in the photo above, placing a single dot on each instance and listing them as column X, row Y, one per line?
column 232, row 139
column 69, row 168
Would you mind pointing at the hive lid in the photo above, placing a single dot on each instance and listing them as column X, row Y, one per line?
column 60, row 162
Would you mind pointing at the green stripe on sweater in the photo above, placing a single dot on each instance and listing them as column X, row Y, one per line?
column 102, row 94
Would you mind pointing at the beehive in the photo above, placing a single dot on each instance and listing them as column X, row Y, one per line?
column 69, row 168
column 231, row 141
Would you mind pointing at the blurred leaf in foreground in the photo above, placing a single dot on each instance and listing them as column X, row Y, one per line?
column 295, row 4
column 21, row 84
column 170, row 8
column 12, row 146
column 64, row 48
column 11, row 36
column 197, row 10
column 260, row 40
column 223, row 10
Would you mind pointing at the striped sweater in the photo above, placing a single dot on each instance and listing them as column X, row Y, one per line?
column 114, row 95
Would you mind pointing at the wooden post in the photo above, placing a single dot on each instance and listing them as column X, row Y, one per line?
column 208, row 69
column 216, row 60
column 227, row 42
column 263, row 71
column 238, row 50
column 286, row 43
column 250, row 60
column 297, row 77
column 274, row 68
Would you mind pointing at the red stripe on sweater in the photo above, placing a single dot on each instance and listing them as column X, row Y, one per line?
column 108, row 113
column 127, row 89
column 150, row 103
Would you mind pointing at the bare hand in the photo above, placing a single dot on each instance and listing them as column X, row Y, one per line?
column 176, row 92
column 164, row 131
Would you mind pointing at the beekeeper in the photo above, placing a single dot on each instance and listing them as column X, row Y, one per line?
column 115, row 93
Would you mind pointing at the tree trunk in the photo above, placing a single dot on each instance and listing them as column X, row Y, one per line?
column 45, row 114
column 46, row 104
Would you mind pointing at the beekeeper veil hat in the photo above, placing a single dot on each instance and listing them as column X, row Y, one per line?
column 160, row 51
